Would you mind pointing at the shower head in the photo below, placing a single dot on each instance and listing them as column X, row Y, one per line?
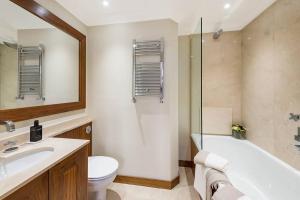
column 11, row 45
column 217, row 34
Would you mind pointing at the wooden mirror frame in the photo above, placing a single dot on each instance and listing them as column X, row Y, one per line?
column 20, row 114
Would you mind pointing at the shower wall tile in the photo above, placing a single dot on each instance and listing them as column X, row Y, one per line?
column 271, row 71
column 222, row 61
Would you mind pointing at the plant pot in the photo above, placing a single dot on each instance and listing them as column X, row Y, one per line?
column 238, row 135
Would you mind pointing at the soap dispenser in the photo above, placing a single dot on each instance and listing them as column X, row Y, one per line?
column 36, row 132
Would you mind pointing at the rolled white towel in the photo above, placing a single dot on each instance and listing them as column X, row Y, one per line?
column 244, row 198
column 229, row 193
column 211, row 160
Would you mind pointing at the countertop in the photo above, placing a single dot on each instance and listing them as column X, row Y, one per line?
column 50, row 129
column 62, row 148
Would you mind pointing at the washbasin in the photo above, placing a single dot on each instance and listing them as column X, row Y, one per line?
column 12, row 164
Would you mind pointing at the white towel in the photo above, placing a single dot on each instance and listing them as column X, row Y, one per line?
column 200, row 180
column 244, row 198
column 211, row 160
column 216, row 162
column 229, row 193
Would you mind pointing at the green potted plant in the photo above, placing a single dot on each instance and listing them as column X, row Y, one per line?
column 238, row 131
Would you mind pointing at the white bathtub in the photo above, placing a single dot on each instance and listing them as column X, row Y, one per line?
column 254, row 171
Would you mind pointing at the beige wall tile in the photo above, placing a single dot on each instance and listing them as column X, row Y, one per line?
column 222, row 70
column 271, row 79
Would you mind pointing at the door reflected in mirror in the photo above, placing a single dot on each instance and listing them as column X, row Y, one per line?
column 39, row 63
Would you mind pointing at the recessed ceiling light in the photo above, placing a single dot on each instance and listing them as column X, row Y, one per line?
column 105, row 3
column 227, row 6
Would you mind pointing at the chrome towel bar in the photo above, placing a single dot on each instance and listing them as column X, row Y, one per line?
column 148, row 69
column 30, row 71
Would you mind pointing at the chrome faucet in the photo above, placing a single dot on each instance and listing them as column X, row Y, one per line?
column 10, row 144
column 10, row 126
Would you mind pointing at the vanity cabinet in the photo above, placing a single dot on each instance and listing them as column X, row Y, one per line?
column 34, row 190
column 67, row 180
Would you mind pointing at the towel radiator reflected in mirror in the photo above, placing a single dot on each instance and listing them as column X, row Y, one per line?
column 148, row 69
column 30, row 71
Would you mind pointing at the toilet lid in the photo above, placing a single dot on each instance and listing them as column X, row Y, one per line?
column 100, row 167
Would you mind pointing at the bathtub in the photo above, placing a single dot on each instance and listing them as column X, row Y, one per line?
column 252, row 170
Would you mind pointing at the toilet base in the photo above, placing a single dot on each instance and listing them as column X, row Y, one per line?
column 97, row 188
column 98, row 195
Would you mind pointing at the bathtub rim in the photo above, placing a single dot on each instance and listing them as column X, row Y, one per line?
column 196, row 137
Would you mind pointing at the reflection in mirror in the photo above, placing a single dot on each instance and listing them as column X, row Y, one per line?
column 39, row 64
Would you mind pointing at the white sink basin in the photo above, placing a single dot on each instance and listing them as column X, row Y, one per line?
column 17, row 162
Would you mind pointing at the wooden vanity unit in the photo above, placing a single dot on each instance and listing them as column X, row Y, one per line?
column 67, row 180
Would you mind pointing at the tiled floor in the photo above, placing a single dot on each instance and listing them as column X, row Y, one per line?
column 183, row 191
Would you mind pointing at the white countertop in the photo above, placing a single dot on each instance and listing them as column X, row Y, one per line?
column 50, row 129
column 62, row 149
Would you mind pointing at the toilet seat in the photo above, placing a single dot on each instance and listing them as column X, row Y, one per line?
column 101, row 167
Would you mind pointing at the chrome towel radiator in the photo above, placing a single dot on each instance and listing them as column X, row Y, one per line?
column 148, row 69
column 30, row 71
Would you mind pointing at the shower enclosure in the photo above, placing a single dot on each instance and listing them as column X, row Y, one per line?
column 196, row 83
column 190, row 92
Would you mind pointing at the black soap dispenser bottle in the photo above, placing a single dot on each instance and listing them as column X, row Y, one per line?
column 36, row 132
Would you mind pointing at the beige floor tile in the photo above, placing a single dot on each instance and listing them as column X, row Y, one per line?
column 183, row 191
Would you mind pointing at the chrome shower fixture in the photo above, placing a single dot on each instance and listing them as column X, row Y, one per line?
column 217, row 34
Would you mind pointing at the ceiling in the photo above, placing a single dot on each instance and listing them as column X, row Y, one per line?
column 186, row 13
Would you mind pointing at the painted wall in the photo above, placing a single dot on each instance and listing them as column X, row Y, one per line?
column 143, row 136
column 271, row 79
column 58, row 10
column 184, row 55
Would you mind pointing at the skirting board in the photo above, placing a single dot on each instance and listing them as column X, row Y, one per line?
column 186, row 163
column 147, row 182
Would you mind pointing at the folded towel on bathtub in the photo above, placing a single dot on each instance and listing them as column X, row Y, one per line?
column 211, row 160
column 228, row 192
column 200, row 180
column 215, row 180
column 207, row 181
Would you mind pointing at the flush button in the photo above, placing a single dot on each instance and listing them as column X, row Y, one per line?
column 88, row 129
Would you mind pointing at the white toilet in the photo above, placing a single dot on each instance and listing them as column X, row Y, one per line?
column 101, row 172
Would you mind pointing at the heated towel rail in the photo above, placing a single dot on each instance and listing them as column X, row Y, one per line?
column 30, row 71
column 148, row 69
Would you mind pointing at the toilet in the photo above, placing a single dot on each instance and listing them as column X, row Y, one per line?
column 101, row 173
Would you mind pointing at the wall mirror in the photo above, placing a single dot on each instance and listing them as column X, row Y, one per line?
column 42, row 62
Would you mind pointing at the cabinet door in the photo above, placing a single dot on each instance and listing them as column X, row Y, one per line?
column 79, row 133
column 37, row 189
column 68, row 179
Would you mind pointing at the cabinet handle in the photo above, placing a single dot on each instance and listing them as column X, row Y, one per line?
column 88, row 129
